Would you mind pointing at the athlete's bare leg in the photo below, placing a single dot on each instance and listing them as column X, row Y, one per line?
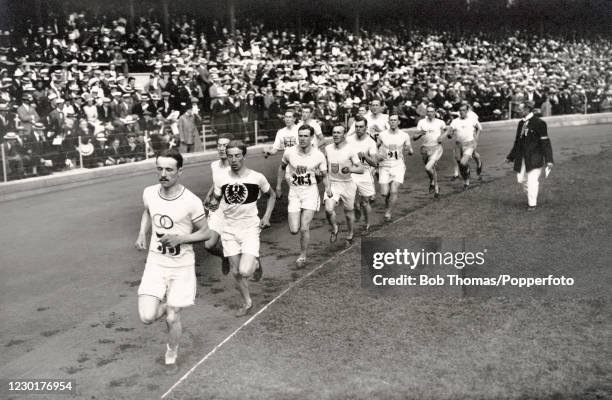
column 330, row 212
column 307, row 216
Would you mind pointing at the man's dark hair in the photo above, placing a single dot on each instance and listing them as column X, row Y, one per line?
column 239, row 144
column 172, row 153
column 227, row 136
column 359, row 118
column 307, row 127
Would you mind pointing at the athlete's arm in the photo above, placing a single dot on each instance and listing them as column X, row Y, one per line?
column 408, row 145
column 269, row 151
column 420, row 133
column 322, row 140
column 443, row 129
column 202, row 233
column 477, row 130
column 356, row 168
column 371, row 160
column 327, row 183
column 145, row 225
column 265, row 220
column 451, row 131
column 215, row 198
column 280, row 177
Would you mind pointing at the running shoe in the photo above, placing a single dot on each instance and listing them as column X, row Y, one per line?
column 225, row 265
column 171, row 354
column 258, row 271
column 334, row 235
column 244, row 310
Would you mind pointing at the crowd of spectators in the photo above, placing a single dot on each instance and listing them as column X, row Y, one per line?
column 71, row 79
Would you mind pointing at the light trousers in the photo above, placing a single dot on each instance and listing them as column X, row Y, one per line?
column 530, row 182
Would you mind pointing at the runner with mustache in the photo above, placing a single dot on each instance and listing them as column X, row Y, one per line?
column 176, row 219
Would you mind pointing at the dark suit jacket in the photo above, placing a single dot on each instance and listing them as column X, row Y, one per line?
column 534, row 147
column 105, row 114
column 56, row 121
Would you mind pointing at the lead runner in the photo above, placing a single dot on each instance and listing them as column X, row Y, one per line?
column 171, row 211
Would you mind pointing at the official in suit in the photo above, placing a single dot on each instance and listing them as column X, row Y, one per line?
column 27, row 113
column 531, row 152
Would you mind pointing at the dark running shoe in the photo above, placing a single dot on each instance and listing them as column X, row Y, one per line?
column 258, row 271
column 225, row 265
column 244, row 310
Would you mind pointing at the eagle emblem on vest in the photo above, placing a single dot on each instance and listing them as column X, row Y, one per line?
column 236, row 193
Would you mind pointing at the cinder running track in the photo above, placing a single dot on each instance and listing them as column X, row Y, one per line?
column 69, row 273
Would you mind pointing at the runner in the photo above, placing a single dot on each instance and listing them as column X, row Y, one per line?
column 475, row 155
column 342, row 162
column 366, row 150
column 299, row 167
column 285, row 137
column 377, row 121
column 431, row 129
column 171, row 212
column 240, row 190
column 215, row 216
column 319, row 139
column 465, row 130
column 392, row 145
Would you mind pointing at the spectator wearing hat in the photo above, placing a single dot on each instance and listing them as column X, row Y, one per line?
column 148, row 124
column 36, row 148
column 172, row 87
column 132, row 151
column 41, row 99
column 90, row 109
column 156, row 83
column 546, row 107
column 100, row 153
column 182, row 100
column 578, row 100
column 125, row 106
column 189, row 133
column 27, row 113
column 221, row 114
column 105, row 111
column 7, row 121
column 114, row 152
column 115, row 103
column 250, row 107
column 74, row 105
column 606, row 103
column 56, row 118
column 70, row 143
column 13, row 156
column 129, row 125
column 165, row 106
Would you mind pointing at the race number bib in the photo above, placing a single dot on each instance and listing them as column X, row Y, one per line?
column 289, row 142
column 301, row 180
column 392, row 152
column 167, row 250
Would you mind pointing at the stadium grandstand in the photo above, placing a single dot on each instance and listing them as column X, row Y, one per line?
column 89, row 84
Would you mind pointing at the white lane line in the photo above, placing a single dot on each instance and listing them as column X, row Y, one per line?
column 217, row 347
